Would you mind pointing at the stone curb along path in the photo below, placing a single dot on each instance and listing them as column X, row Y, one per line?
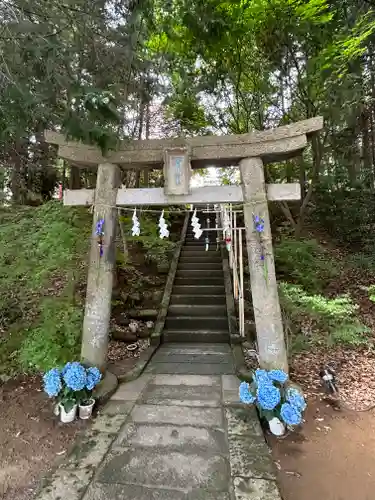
column 171, row 437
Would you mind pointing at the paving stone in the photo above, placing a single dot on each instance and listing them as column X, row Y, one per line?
column 250, row 457
column 173, row 437
column 230, row 384
column 98, row 491
column 182, row 395
column 243, row 421
column 163, row 468
column 202, row 348
column 186, row 380
column 66, row 484
column 116, row 407
column 178, row 415
column 210, row 358
column 88, row 451
column 108, row 424
column 190, row 368
column 255, row 489
column 130, row 391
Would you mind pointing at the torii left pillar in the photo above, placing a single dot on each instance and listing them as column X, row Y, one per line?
column 100, row 275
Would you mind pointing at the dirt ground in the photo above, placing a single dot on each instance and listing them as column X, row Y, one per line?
column 31, row 437
column 332, row 458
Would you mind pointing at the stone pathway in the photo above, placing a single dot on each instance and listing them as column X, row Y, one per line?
column 171, row 436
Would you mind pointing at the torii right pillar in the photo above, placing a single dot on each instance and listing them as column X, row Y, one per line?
column 267, row 312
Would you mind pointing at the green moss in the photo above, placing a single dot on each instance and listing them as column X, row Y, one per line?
column 42, row 256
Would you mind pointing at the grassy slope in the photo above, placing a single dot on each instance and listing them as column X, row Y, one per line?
column 42, row 256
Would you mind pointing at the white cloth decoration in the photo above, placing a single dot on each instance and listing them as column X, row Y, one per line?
column 226, row 230
column 136, row 229
column 197, row 233
column 164, row 233
column 226, row 224
column 196, row 226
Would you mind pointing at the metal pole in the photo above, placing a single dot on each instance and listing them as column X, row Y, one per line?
column 235, row 261
column 231, row 236
column 242, row 296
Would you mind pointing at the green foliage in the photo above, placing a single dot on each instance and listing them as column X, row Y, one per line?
column 371, row 293
column 158, row 250
column 347, row 213
column 362, row 260
column 329, row 320
column 55, row 339
column 41, row 262
column 304, row 262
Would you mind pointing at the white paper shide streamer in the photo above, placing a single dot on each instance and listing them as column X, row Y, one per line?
column 164, row 233
column 196, row 226
column 226, row 230
column 136, row 229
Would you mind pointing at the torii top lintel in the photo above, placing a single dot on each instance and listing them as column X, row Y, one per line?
column 271, row 145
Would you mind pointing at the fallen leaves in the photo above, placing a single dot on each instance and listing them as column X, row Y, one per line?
column 117, row 350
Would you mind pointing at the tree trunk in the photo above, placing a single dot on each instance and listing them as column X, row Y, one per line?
column 75, row 178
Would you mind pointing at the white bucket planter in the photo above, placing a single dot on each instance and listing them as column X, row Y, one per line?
column 276, row 427
column 67, row 417
column 85, row 411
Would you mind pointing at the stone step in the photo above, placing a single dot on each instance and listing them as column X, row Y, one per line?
column 199, row 281
column 191, row 239
column 197, row 336
column 200, row 273
column 193, row 369
column 201, row 249
column 196, row 323
column 200, row 257
column 194, row 266
column 201, row 300
column 198, row 310
column 191, row 348
column 197, row 357
column 201, row 289
column 199, row 243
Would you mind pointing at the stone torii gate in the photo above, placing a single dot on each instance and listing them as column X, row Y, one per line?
column 177, row 157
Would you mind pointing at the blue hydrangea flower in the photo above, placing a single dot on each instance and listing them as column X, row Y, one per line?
column 52, row 382
column 296, row 399
column 290, row 414
column 99, row 228
column 245, row 394
column 65, row 369
column 259, row 224
column 93, row 378
column 261, row 376
column 268, row 396
column 75, row 376
column 278, row 376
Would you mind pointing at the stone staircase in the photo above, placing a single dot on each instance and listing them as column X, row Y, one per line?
column 197, row 310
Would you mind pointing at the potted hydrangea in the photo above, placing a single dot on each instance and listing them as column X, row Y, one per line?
column 277, row 402
column 72, row 386
column 86, row 401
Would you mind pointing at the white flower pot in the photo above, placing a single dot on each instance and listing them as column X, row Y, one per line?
column 67, row 417
column 85, row 411
column 276, row 427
